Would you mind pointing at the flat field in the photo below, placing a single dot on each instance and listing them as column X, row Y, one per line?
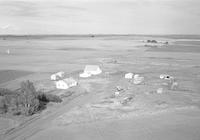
column 91, row 110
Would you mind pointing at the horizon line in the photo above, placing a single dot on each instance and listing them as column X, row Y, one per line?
column 90, row 34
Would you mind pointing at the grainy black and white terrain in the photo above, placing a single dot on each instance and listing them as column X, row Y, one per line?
column 154, row 109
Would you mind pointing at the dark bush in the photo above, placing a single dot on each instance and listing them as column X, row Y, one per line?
column 3, row 107
column 11, row 102
column 152, row 41
column 49, row 98
column 8, row 100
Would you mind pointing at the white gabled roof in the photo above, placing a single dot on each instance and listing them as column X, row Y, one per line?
column 91, row 68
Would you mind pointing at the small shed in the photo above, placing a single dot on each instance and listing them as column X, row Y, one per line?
column 54, row 77
column 66, row 83
column 85, row 75
column 57, row 76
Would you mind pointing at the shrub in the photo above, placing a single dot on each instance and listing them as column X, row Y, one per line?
column 8, row 100
column 4, row 92
column 154, row 41
column 49, row 98
column 11, row 103
column 3, row 107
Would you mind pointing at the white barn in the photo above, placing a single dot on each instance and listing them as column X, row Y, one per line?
column 91, row 70
column 66, row 83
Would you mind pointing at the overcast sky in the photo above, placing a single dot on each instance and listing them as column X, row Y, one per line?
column 100, row 16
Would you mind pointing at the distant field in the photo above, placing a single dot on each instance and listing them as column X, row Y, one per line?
column 194, row 42
column 93, row 105
column 7, row 75
column 77, row 49
column 177, row 48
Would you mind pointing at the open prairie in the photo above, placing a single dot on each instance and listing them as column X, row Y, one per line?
column 154, row 109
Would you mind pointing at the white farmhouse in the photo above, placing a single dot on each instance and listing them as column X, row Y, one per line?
column 128, row 76
column 66, row 83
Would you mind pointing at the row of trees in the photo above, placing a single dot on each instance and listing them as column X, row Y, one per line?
column 25, row 101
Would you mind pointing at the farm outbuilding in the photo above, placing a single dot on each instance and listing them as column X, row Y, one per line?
column 91, row 70
column 128, row 75
column 66, row 83
column 57, row 76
